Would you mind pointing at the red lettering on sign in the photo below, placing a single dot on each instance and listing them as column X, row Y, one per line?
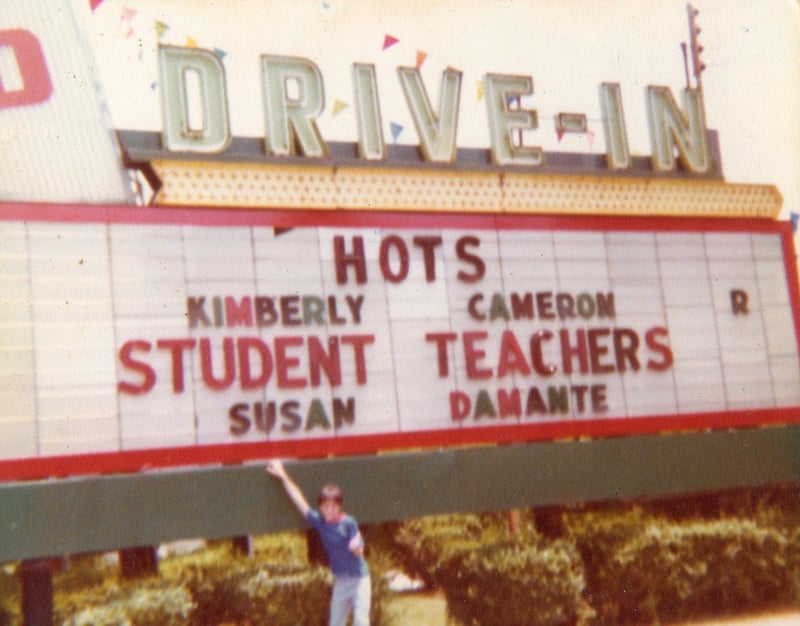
column 36, row 86
column 652, row 337
column 146, row 372
column 473, row 355
column 401, row 250
column 343, row 259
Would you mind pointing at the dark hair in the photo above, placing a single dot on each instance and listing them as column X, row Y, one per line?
column 330, row 492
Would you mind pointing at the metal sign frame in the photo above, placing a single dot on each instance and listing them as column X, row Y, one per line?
column 44, row 518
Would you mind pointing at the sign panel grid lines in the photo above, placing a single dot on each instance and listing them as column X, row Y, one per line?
column 239, row 336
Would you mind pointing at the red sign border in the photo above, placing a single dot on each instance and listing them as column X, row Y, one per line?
column 128, row 461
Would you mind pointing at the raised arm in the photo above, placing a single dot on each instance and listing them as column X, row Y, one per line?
column 276, row 469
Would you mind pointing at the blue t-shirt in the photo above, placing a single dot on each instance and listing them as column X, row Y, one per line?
column 336, row 537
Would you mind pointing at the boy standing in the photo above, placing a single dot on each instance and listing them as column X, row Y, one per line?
column 343, row 544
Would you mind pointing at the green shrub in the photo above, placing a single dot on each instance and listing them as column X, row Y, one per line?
column 430, row 541
column 490, row 578
column 263, row 596
column 694, row 569
column 794, row 560
column 274, row 586
column 287, row 548
column 214, row 585
column 91, row 591
column 516, row 582
column 80, row 572
column 642, row 568
column 599, row 535
column 145, row 603
column 10, row 594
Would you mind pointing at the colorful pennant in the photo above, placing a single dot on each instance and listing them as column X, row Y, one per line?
column 795, row 217
column 389, row 41
column 421, row 56
column 396, row 130
column 339, row 106
column 161, row 28
column 126, row 21
column 126, row 14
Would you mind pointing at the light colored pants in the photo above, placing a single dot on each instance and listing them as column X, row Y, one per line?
column 355, row 593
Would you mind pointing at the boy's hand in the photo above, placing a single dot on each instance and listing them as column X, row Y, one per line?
column 275, row 468
column 356, row 545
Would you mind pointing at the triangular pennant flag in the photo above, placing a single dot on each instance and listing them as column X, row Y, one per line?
column 559, row 133
column 479, row 91
column 795, row 217
column 191, row 42
column 220, row 53
column 326, row 5
column 277, row 231
column 421, row 56
column 154, row 85
column 93, row 4
column 161, row 28
column 125, row 17
column 389, row 41
column 339, row 106
column 396, row 130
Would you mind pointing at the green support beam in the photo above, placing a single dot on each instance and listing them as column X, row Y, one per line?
column 95, row 513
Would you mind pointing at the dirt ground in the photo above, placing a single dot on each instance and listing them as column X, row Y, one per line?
column 420, row 609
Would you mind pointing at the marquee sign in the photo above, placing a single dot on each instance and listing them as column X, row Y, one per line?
column 150, row 337
column 195, row 160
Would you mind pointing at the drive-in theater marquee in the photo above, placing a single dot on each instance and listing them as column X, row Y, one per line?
column 232, row 334
column 361, row 297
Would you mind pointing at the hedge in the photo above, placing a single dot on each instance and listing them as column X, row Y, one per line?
column 212, row 586
column 642, row 568
column 613, row 565
column 148, row 604
column 430, row 541
column 10, row 594
column 491, row 579
column 514, row 583
column 262, row 595
column 275, row 586
column 698, row 568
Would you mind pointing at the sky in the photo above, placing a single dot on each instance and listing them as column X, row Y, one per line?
column 569, row 47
